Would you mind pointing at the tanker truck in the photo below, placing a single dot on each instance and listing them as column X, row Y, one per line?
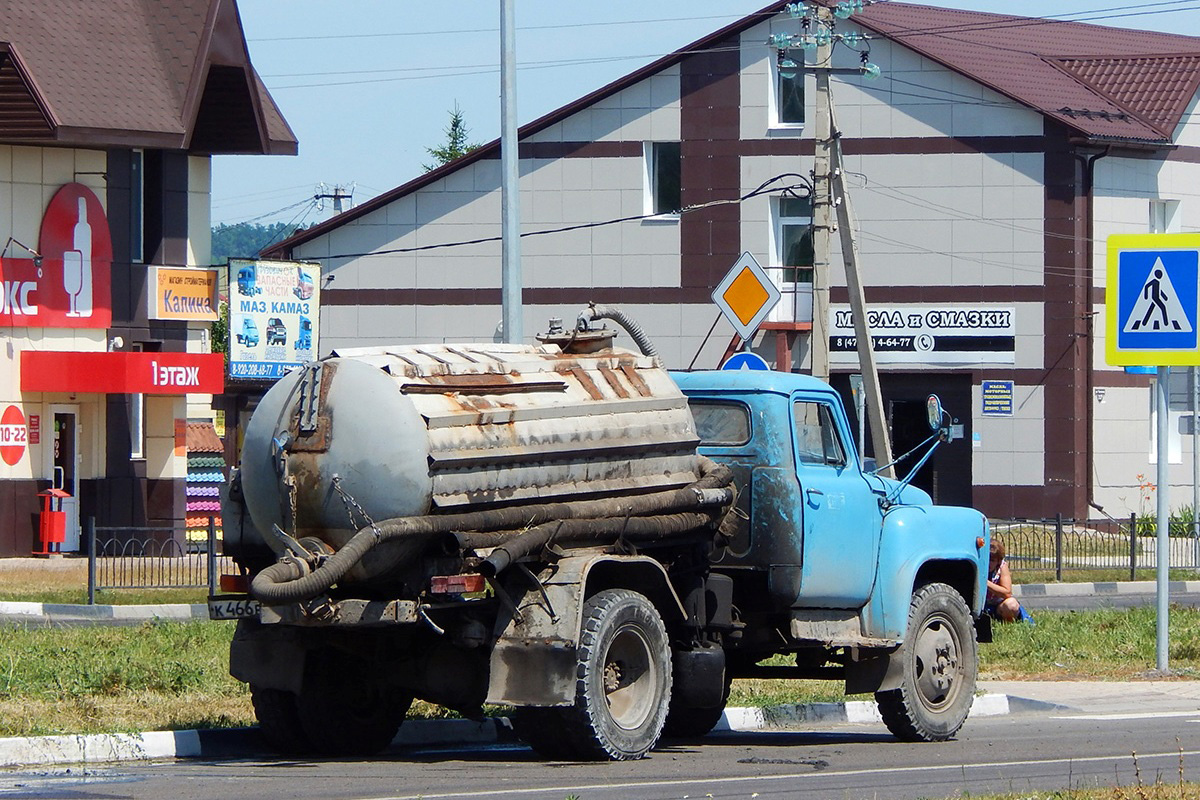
column 568, row 530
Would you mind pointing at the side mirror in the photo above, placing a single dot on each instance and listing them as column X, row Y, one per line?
column 939, row 421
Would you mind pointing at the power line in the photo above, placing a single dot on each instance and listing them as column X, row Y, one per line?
column 451, row 71
column 461, row 31
column 768, row 186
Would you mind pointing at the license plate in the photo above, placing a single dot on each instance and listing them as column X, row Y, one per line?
column 233, row 607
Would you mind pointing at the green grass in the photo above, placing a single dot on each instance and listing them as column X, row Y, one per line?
column 174, row 675
column 1098, row 645
column 1022, row 575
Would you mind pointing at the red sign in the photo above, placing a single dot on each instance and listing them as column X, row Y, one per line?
column 69, row 285
column 12, row 435
column 35, row 429
column 122, row 373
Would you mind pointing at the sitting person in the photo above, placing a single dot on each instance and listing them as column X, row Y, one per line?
column 1000, row 603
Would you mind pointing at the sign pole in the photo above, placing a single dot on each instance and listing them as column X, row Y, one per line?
column 1162, row 406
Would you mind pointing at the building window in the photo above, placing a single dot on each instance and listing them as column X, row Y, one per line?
column 1164, row 216
column 663, row 168
column 787, row 89
column 794, row 237
column 137, row 206
column 792, row 258
column 137, row 426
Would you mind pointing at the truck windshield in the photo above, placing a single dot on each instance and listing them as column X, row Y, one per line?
column 722, row 424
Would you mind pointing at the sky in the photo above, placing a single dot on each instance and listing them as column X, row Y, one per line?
column 368, row 85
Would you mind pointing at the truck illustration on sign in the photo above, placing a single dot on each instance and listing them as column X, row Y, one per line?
column 248, row 335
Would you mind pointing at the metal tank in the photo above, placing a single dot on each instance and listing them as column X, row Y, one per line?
column 375, row 434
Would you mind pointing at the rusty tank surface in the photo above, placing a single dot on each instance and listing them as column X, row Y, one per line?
column 373, row 434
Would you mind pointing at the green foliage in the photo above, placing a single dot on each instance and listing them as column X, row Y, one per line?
column 456, row 145
column 171, row 658
column 246, row 239
column 1106, row 644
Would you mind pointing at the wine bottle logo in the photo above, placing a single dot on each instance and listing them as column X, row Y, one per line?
column 77, row 266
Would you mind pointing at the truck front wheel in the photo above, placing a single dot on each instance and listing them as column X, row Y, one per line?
column 940, row 663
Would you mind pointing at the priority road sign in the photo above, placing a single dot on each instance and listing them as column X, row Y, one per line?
column 1151, row 303
column 746, row 295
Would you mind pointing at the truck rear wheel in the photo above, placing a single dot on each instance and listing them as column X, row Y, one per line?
column 940, row 664
column 622, row 687
column 689, row 722
column 344, row 709
column 279, row 720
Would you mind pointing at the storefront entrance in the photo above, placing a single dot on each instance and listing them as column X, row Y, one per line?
column 63, row 467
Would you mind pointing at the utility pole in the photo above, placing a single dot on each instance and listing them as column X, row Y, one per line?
column 880, row 436
column 822, row 199
column 510, row 215
column 342, row 196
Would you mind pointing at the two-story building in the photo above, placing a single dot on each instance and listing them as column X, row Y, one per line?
column 987, row 164
column 110, row 112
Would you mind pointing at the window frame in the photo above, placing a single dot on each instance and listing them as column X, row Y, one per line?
column 743, row 414
column 137, row 206
column 775, row 93
column 830, row 435
column 651, row 180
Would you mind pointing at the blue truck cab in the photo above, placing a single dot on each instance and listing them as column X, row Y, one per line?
column 862, row 577
column 247, row 282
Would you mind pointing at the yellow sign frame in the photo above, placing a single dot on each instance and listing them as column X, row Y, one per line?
column 1125, row 245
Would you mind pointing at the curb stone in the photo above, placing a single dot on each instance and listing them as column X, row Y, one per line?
column 243, row 742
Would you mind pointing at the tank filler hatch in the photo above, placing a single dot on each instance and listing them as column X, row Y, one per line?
column 579, row 340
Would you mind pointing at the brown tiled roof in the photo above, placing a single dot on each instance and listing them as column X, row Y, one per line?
column 132, row 73
column 1108, row 84
column 202, row 438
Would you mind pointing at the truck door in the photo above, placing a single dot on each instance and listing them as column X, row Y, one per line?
column 841, row 515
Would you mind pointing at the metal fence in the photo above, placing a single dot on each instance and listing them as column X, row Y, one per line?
column 151, row 558
column 1062, row 545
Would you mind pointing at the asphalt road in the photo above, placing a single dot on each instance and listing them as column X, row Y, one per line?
column 849, row 761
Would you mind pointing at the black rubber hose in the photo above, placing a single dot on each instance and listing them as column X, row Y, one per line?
column 273, row 587
column 573, row 531
column 620, row 317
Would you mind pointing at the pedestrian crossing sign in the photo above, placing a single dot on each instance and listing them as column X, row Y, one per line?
column 1151, row 300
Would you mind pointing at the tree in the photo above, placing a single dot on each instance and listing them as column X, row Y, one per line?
column 456, row 145
column 245, row 240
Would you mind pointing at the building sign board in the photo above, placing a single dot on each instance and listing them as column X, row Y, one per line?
column 183, row 293
column 1151, row 300
column 273, row 315
column 13, row 435
column 746, row 295
column 122, row 373
column 997, row 397
column 928, row 334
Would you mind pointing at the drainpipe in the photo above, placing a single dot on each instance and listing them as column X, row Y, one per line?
column 1088, row 164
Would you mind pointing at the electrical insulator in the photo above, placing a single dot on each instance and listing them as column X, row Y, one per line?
column 871, row 71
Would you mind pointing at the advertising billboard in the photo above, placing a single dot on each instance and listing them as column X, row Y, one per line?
column 273, row 309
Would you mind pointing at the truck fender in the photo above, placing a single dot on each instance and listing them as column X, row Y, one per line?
column 267, row 656
column 930, row 543
column 533, row 662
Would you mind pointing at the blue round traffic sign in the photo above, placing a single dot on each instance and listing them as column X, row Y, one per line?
column 746, row 360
